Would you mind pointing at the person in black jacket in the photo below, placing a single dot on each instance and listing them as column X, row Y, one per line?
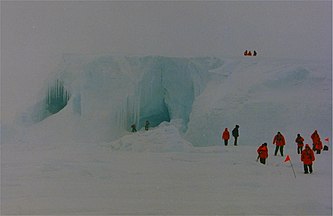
column 147, row 125
column 133, row 126
column 299, row 140
column 235, row 134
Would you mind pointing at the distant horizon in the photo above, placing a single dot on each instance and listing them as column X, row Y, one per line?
column 241, row 55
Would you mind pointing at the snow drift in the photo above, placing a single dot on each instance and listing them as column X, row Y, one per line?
column 106, row 94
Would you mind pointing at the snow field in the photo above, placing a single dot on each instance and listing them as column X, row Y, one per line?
column 137, row 179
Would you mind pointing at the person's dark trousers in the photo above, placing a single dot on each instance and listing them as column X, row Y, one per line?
column 235, row 143
column 277, row 148
column 318, row 151
column 307, row 168
column 299, row 149
column 226, row 142
column 263, row 160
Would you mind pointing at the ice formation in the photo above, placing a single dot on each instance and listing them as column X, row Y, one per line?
column 110, row 93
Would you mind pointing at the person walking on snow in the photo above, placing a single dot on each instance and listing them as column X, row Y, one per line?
column 307, row 158
column 226, row 136
column 235, row 134
column 316, row 143
column 279, row 141
column 299, row 140
column 263, row 153
column 318, row 147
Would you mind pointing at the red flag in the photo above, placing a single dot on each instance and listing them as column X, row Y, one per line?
column 287, row 158
column 327, row 139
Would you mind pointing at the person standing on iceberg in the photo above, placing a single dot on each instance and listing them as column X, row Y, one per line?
column 307, row 158
column 279, row 141
column 226, row 136
column 235, row 134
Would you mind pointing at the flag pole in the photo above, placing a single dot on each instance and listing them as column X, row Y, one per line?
column 288, row 159
column 292, row 168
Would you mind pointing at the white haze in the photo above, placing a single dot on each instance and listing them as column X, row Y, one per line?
column 35, row 33
column 131, row 61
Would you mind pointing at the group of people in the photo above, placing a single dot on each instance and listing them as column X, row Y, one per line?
column 307, row 155
column 249, row 53
column 133, row 126
column 226, row 135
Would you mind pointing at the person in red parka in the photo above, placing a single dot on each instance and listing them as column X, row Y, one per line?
column 307, row 158
column 318, row 147
column 263, row 153
column 226, row 136
column 299, row 140
column 316, row 143
column 315, row 138
column 279, row 141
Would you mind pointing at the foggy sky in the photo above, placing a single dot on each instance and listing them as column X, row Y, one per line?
column 34, row 34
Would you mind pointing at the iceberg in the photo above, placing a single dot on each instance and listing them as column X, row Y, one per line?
column 101, row 96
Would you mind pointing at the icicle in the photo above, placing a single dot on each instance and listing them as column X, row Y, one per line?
column 138, row 104
column 122, row 121
column 128, row 112
column 133, row 113
column 48, row 95
column 57, row 88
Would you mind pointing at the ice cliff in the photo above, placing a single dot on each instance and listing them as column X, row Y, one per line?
column 101, row 96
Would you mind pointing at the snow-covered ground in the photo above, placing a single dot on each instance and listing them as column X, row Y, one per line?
column 156, row 172
column 84, row 161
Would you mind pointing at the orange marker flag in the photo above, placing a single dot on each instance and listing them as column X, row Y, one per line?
column 287, row 158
